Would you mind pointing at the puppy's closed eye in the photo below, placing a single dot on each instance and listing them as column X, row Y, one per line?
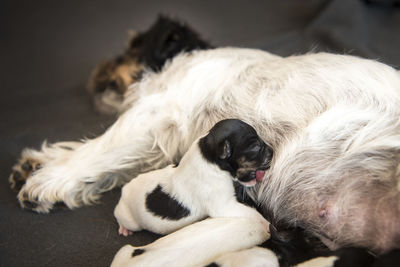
column 255, row 147
column 226, row 151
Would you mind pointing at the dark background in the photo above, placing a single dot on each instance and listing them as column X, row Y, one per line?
column 48, row 49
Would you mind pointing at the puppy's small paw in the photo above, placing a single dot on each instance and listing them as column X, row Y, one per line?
column 123, row 231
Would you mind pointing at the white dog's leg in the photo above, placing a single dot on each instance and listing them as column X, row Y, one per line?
column 131, row 146
column 32, row 160
column 195, row 245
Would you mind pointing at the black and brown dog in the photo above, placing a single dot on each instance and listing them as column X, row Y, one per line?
column 150, row 49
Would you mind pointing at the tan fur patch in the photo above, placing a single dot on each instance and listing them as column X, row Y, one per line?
column 245, row 166
column 125, row 75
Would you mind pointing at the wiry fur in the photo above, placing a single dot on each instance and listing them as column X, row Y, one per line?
column 332, row 120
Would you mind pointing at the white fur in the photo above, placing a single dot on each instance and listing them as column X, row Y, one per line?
column 332, row 120
column 252, row 257
column 197, row 244
column 319, row 262
column 200, row 186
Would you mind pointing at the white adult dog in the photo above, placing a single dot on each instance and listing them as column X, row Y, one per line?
column 333, row 122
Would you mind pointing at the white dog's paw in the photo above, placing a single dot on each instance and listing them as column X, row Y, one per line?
column 39, row 188
column 53, row 185
column 32, row 160
column 39, row 193
column 22, row 170
column 34, row 203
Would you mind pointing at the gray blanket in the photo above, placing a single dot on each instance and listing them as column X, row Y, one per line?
column 48, row 49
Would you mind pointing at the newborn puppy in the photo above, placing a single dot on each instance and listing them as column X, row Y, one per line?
column 295, row 247
column 165, row 200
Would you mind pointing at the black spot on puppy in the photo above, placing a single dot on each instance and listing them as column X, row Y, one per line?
column 138, row 252
column 66, row 147
column 213, row 264
column 165, row 206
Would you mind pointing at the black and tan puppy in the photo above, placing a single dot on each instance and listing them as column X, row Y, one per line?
column 293, row 246
column 148, row 50
column 165, row 200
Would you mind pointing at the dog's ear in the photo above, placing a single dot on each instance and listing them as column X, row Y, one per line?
column 226, row 150
column 171, row 37
column 163, row 40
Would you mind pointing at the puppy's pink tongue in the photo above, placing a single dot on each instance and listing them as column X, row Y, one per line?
column 259, row 175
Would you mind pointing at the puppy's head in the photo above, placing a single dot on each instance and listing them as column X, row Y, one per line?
column 293, row 245
column 147, row 50
column 165, row 39
column 235, row 147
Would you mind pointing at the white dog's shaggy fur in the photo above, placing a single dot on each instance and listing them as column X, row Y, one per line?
column 332, row 120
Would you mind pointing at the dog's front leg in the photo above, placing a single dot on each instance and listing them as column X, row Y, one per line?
column 195, row 245
column 32, row 160
column 143, row 138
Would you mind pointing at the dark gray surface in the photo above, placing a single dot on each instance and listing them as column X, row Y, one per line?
column 48, row 49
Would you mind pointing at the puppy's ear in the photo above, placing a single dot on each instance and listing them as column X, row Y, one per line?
column 226, row 150
column 172, row 37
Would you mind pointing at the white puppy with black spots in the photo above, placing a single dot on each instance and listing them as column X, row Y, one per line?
column 201, row 186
